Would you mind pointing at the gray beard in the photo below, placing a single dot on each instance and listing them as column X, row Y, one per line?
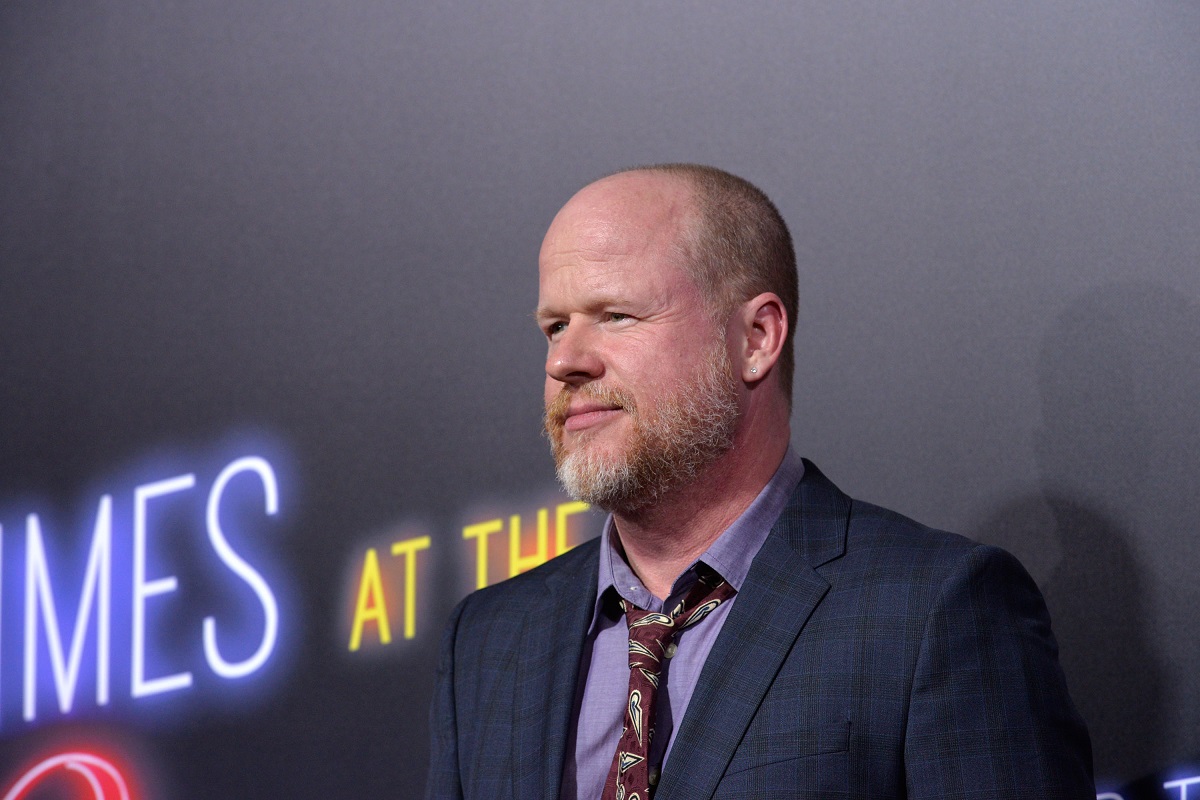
column 689, row 431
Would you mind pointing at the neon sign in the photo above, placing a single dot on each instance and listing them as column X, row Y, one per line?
column 101, row 778
column 1181, row 782
column 129, row 602
column 1181, row 785
column 381, row 590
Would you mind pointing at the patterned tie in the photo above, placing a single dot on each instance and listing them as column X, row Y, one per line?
column 651, row 642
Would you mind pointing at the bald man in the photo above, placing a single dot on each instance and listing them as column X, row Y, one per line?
column 741, row 628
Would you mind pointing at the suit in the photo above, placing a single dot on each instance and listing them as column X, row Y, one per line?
column 866, row 656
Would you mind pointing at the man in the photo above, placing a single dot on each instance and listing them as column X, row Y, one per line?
column 741, row 629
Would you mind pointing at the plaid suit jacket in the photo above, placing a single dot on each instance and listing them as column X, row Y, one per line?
column 866, row 656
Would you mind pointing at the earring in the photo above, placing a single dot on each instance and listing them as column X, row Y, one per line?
column 754, row 370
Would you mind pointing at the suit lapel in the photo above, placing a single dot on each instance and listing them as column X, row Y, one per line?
column 776, row 600
column 547, row 671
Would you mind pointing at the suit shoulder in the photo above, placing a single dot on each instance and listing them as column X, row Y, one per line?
column 881, row 535
column 937, row 573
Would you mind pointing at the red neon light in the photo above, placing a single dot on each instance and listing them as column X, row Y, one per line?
column 103, row 779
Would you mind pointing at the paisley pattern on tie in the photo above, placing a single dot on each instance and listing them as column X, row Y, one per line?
column 651, row 642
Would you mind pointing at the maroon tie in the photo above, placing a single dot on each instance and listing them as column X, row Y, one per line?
column 651, row 642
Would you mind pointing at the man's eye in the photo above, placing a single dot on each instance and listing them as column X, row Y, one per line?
column 618, row 317
column 555, row 328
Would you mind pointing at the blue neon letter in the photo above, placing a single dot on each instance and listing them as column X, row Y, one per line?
column 239, row 566
column 97, row 583
column 143, row 589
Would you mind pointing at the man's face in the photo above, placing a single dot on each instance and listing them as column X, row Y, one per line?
column 640, row 395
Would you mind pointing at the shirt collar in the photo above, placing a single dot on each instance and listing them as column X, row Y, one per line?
column 731, row 554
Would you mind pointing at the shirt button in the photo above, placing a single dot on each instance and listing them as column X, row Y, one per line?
column 670, row 651
column 654, row 773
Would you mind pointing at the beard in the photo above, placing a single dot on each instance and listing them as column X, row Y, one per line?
column 670, row 444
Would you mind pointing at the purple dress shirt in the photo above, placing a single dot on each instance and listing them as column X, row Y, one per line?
column 604, row 668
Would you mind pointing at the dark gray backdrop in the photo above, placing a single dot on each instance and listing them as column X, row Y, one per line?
column 317, row 223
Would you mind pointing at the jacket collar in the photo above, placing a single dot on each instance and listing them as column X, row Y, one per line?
column 780, row 594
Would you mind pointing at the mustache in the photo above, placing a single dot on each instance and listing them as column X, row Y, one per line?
column 556, row 410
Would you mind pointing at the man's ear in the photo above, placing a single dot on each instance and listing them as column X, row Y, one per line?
column 764, row 328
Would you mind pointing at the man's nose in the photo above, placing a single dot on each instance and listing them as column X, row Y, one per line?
column 573, row 357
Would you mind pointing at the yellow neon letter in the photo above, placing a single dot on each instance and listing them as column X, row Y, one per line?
column 480, row 531
column 408, row 548
column 371, row 604
column 518, row 563
column 561, row 513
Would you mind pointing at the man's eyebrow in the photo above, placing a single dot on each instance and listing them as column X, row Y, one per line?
column 594, row 305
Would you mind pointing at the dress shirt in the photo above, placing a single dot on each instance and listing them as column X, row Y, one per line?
column 603, row 686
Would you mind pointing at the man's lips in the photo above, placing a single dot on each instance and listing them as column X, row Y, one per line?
column 585, row 414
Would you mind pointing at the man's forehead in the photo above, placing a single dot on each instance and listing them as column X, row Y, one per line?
column 620, row 213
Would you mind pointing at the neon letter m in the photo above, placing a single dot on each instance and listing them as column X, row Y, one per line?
column 39, row 604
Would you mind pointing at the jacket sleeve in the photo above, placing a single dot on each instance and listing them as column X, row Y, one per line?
column 444, row 778
column 989, row 715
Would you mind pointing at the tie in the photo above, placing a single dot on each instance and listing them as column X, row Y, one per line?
column 651, row 642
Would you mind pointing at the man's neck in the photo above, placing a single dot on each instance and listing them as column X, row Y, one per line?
column 664, row 539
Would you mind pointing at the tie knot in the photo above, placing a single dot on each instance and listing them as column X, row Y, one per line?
column 650, row 631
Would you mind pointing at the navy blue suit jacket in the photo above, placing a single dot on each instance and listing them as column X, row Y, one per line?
column 866, row 656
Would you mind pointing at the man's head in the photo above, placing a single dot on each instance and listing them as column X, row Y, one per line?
column 664, row 339
column 735, row 246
